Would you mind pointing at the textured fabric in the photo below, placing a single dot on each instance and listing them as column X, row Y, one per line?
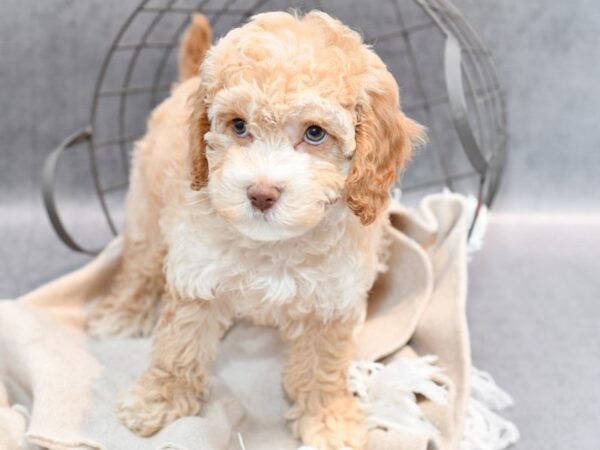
column 67, row 383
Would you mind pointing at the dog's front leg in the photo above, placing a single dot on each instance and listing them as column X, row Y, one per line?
column 185, row 341
column 325, row 415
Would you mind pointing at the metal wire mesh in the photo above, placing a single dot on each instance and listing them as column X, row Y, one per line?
column 447, row 78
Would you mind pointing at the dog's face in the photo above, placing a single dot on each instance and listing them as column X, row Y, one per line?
column 294, row 115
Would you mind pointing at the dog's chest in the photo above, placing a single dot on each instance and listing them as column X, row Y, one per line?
column 271, row 285
column 270, row 282
column 261, row 283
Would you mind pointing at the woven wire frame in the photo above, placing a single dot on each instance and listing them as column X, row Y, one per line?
column 447, row 77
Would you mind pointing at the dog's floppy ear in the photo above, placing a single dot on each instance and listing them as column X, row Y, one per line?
column 199, row 126
column 384, row 143
column 194, row 46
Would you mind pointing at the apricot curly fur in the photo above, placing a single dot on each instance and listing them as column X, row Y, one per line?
column 306, row 264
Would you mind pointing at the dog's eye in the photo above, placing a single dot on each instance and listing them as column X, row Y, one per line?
column 239, row 127
column 315, row 135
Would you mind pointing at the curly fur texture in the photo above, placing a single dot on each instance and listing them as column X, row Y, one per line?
column 306, row 264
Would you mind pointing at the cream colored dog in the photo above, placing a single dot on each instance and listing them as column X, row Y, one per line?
column 260, row 191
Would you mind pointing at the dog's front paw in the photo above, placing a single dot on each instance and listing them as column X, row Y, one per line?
column 145, row 409
column 336, row 427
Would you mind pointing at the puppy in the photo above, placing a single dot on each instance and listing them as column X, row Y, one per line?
column 261, row 189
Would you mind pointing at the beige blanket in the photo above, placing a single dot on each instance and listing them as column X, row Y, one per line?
column 58, row 386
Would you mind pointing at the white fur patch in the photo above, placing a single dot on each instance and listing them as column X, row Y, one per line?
column 322, row 272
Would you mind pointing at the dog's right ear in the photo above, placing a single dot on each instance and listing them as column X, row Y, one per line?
column 194, row 46
column 199, row 126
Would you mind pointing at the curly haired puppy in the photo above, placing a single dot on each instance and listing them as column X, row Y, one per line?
column 260, row 192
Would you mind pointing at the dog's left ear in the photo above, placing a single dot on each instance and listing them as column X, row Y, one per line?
column 199, row 126
column 384, row 143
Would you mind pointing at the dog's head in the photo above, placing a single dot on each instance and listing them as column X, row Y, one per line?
column 294, row 114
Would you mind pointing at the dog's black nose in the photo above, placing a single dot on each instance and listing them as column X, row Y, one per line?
column 262, row 196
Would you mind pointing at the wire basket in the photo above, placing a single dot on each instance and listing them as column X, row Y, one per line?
column 447, row 80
